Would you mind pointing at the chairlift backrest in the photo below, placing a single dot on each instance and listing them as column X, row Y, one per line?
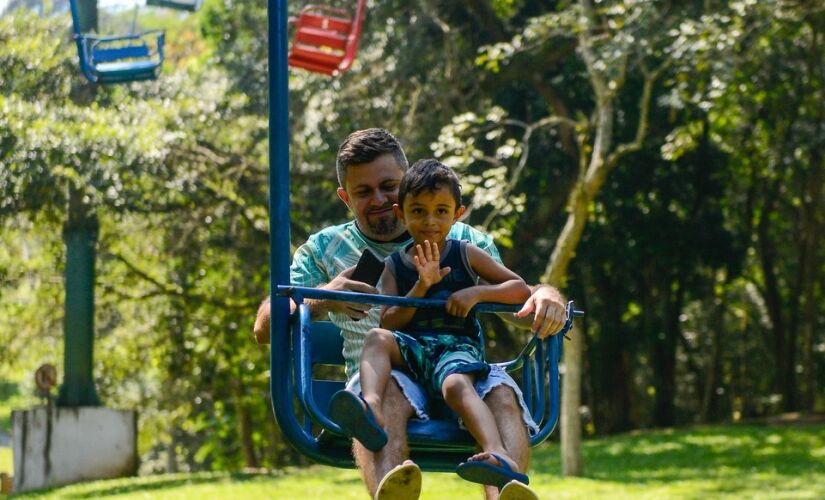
column 137, row 50
column 187, row 5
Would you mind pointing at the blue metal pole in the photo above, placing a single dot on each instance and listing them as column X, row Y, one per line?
column 280, row 363
column 278, row 159
column 279, row 208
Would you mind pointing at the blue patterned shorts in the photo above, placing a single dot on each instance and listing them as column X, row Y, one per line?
column 430, row 358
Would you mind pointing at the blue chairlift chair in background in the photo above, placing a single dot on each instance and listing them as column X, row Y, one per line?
column 118, row 58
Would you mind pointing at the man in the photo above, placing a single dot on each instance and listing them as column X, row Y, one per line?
column 370, row 165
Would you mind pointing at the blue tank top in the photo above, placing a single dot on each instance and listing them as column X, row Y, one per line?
column 461, row 276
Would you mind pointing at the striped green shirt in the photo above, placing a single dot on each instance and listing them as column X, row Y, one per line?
column 336, row 248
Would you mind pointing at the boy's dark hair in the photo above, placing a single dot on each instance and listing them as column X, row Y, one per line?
column 429, row 175
column 364, row 146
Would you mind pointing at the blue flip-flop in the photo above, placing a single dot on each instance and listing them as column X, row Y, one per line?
column 479, row 471
column 356, row 419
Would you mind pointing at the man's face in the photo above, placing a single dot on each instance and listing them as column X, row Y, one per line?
column 370, row 190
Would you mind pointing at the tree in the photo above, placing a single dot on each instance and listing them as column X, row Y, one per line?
column 764, row 87
column 617, row 42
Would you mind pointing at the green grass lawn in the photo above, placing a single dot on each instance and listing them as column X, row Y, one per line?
column 703, row 462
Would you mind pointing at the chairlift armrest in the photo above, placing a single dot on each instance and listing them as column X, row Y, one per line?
column 299, row 293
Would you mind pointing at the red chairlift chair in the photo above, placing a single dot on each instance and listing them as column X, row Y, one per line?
column 326, row 39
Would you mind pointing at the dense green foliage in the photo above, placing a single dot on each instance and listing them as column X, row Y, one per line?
column 701, row 268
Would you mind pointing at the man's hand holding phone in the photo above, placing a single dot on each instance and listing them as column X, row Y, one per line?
column 360, row 278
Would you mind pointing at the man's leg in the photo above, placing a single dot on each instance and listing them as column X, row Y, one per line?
column 374, row 466
column 507, row 412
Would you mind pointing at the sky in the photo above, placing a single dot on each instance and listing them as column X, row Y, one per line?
column 103, row 4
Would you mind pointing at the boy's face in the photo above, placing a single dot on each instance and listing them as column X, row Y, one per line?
column 429, row 215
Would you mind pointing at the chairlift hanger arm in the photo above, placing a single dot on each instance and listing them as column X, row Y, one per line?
column 528, row 349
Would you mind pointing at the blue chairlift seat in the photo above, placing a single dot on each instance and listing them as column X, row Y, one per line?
column 436, row 445
column 118, row 59
column 187, row 5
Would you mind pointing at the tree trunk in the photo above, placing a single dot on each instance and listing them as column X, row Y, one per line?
column 711, row 408
column 810, row 242
column 172, row 452
column 571, row 428
column 247, row 443
column 613, row 400
column 245, row 426
column 588, row 184
column 664, row 357
column 572, row 464
column 785, row 376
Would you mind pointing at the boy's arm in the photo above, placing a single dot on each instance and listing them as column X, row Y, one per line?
column 396, row 317
column 427, row 262
column 544, row 311
column 504, row 286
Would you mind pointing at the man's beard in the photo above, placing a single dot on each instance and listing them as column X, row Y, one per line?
column 383, row 226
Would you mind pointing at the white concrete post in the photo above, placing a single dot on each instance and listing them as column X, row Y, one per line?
column 58, row 446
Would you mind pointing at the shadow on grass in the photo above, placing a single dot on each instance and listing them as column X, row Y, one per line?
column 700, row 453
column 343, row 482
column 149, row 484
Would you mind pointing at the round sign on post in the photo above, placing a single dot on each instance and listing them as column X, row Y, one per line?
column 45, row 378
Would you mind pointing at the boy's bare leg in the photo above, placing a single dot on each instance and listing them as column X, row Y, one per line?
column 374, row 466
column 507, row 412
column 379, row 355
column 460, row 395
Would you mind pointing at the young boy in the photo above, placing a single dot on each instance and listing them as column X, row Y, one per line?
column 441, row 348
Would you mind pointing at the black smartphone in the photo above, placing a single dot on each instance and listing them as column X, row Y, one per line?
column 369, row 268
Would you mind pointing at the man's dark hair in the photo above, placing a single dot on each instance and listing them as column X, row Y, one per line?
column 364, row 146
column 429, row 175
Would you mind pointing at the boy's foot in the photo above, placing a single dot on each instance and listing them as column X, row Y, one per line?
column 356, row 419
column 515, row 490
column 490, row 468
column 401, row 483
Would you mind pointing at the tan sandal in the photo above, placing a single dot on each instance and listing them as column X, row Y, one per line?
column 401, row 483
column 515, row 490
